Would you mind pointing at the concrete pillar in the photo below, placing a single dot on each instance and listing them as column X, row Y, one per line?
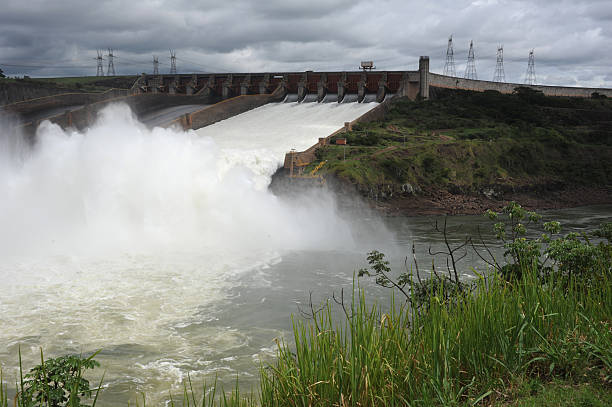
column 342, row 87
column 382, row 88
column 227, row 87
column 424, row 77
column 191, row 85
column 209, row 86
column 264, row 84
column 68, row 114
column 361, row 87
column 187, row 121
column 140, row 85
column 322, row 88
column 302, row 91
column 245, row 85
column 303, row 87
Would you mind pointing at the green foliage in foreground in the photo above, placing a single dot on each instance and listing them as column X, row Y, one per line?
column 450, row 355
column 56, row 382
column 559, row 394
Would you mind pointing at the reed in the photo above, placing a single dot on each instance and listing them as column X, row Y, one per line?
column 464, row 353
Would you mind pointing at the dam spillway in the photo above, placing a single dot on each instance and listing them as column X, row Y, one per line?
column 259, row 139
column 145, row 243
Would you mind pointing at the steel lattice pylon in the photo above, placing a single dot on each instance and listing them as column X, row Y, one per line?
column 172, row 62
column 155, row 66
column 449, row 66
column 530, row 76
column 100, row 71
column 110, row 70
column 499, row 75
column 470, row 69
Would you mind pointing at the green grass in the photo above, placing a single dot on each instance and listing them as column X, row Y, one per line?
column 448, row 356
column 559, row 394
column 470, row 140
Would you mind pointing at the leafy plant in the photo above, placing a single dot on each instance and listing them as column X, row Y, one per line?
column 58, row 382
column 572, row 254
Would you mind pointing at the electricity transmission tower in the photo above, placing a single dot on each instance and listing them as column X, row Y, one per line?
column 155, row 66
column 449, row 66
column 499, row 75
column 110, row 70
column 172, row 62
column 470, row 69
column 100, row 71
column 530, row 76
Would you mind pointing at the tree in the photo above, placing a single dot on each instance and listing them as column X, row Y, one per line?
column 2, row 74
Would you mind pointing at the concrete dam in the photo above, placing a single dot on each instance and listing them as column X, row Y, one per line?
column 192, row 101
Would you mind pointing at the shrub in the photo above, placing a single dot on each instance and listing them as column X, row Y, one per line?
column 58, row 382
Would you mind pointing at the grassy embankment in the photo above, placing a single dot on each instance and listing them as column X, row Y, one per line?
column 467, row 141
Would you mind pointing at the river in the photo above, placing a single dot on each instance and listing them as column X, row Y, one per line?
column 165, row 249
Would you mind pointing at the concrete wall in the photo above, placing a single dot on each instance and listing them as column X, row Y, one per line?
column 448, row 82
column 148, row 102
column 225, row 109
column 139, row 103
column 61, row 100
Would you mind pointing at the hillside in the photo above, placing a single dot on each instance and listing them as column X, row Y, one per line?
column 17, row 89
column 464, row 151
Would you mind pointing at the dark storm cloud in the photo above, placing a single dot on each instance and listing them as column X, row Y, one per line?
column 570, row 38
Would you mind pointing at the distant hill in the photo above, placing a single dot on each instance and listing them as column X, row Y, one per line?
column 15, row 90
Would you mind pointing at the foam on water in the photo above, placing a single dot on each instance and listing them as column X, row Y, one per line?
column 126, row 239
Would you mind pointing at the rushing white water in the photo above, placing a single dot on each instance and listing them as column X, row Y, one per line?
column 125, row 239
column 253, row 139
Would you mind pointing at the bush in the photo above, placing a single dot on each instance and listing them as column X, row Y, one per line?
column 57, row 382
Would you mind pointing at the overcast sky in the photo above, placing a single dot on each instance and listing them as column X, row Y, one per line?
column 572, row 39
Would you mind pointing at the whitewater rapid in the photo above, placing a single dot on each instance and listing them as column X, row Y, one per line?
column 128, row 239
